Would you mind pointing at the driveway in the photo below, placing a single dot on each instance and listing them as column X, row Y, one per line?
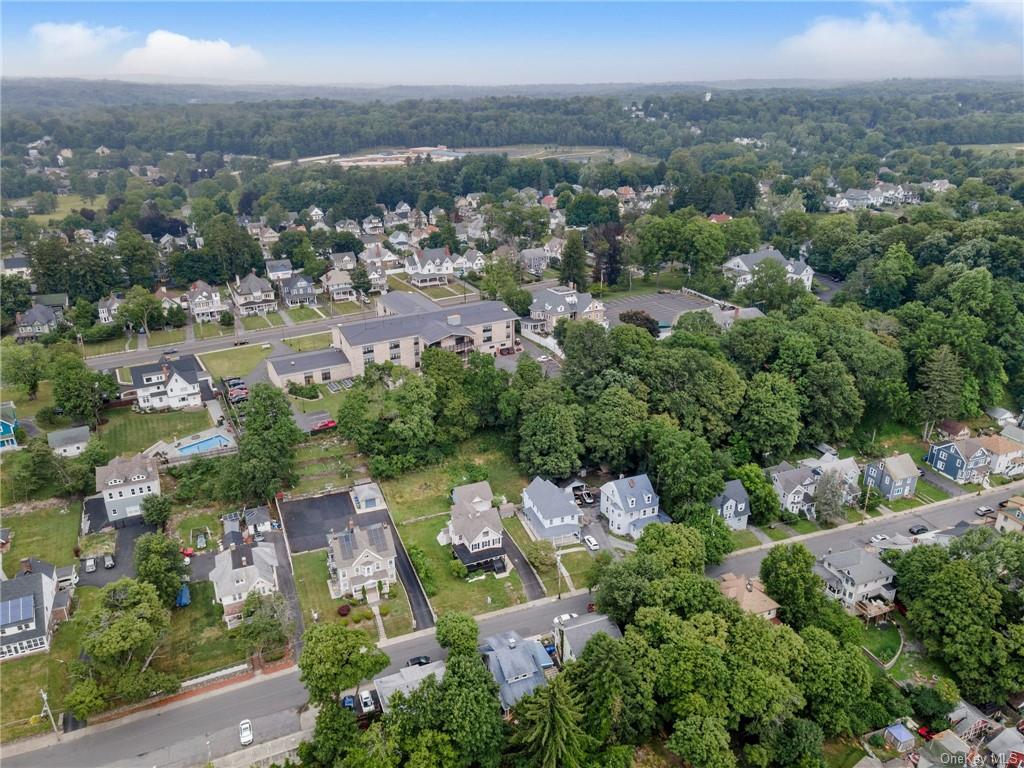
column 829, row 286
column 942, row 481
column 124, row 559
column 286, row 583
column 552, row 367
column 531, row 583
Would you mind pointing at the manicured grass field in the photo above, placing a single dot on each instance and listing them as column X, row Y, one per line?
column 345, row 308
column 743, row 539
column 775, row 534
column 928, row 492
column 27, row 409
column 166, row 337
column 68, row 203
column 309, row 342
column 199, row 641
column 803, row 525
column 439, row 292
column 426, row 491
column 110, row 346
column 303, row 314
column 127, row 432
column 841, row 754
column 211, row 330
column 255, row 323
column 882, row 641
column 239, row 361
column 577, row 564
column 48, row 534
column 395, row 611
column 310, row 569
column 22, row 678
column 395, row 283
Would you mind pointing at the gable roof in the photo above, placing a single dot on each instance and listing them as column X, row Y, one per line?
column 252, row 284
column 752, row 259
column 8, row 413
column 733, row 490
column 859, row 564
column 900, row 466
column 550, row 500
column 62, row 438
column 516, row 665
column 123, row 469
column 278, row 265
column 352, row 542
column 748, row 593
column 37, row 314
column 578, row 631
column 186, row 366
column 239, row 566
column 637, row 487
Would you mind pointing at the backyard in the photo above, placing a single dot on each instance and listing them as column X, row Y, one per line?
column 309, row 342
column 883, row 641
column 324, row 462
column 328, row 401
column 127, row 432
column 48, row 534
column 840, row 753
column 310, row 570
column 239, row 361
column 27, row 409
column 199, row 641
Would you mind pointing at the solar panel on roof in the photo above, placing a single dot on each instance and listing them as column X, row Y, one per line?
column 17, row 610
column 345, row 543
column 376, row 535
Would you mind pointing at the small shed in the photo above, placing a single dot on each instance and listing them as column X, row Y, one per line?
column 899, row 737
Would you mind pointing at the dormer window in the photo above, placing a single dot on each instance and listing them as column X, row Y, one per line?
column 648, row 498
column 115, row 481
column 137, row 478
column 632, row 502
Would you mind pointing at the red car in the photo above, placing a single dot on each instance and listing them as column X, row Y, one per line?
column 926, row 733
column 324, row 424
column 187, row 551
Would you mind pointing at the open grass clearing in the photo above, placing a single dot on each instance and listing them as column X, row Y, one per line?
column 578, row 565
column 110, row 346
column 239, row 361
column 127, row 432
column 840, row 753
column 199, row 641
column 743, row 539
column 66, row 204
column 48, row 534
column 439, row 291
column 303, row 314
column 166, row 337
column 328, row 401
column 212, row 330
column 882, row 641
column 309, row 342
column 671, row 280
column 26, row 408
column 344, row 308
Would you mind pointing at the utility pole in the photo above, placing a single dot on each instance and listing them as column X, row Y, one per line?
column 558, row 568
column 48, row 711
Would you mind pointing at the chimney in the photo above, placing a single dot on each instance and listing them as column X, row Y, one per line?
column 232, row 546
column 26, row 565
column 238, row 281
column 244, row 562
column 351, row 524
column 166, row 371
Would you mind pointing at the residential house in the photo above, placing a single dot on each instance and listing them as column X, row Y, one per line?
column 576, row 633
column 170, row 384
column 378, row 279
column 429, row 266
column 963, row 460
column 348, row 225
column 733, row 505
column 630, row 505
column 373, row 225
column 534, row 260
column 204, row 302
column 1006, row 748
column 741, row 268
column 16, row 265
column 361, row 560
column 170, row 297
column 38, row 320
column 855, row 576
column 719, row 218
column 1001, row 416
column 400, row 240
column 552, row 304
column 518, row 666
column 345, row 261
column 376, row 255
column 298, row 290
column 749, row 594
column 315, row 214
column 939, row 185
column 726, row 317
column 31, row 606
column 474, row 530
column 894, row 477
column 435, row 214
column 107, row 309
column 847, row 469
column 337, row 284
column 1011, row 517
column 405, row 681
column 240, row 570
column 279, row 269
column 8, row 425
column 949, row 429
column 1006, row 456
column 553, row 247
column 68, row 442
column 124, row 483
column 795, row 487
column 253, row 295
column 551, row 513
column 471, row 261
column 945, row 749
column 1013, row 432
column 403, row 210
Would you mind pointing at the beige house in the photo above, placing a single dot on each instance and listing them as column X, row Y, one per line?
column 362, row 559
column 749, row 594
column 552, row 304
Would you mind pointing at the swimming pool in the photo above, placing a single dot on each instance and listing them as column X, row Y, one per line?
column 206, row 444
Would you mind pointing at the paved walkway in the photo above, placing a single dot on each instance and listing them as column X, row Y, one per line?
column 762, row 537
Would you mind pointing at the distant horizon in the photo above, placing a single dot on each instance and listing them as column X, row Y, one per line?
column 507, row 44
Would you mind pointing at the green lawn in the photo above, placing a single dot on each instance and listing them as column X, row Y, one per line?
column 778, row 533
column 255, row 323
column 395, row 611
column 577, row 564
column 205, row 520
column 11, row 492
column 311, row 575
column 883, row 642
column 127, row 432
column 743, row 539
column 22, row 678
column 439, row 292
column 853, row 515
column 309, row 342
column 803, row 525
column 239, row 361
column 68, row 203
column 329, row 401
column 395, row 283
column 669, row 280
column 27, row 409
column 166, row 337
column 324, row 461
column 928, row 492
column 212, row 330
column 110, row 346
column 345, row 308
column 426, row 491
column 455, row 594
column 916, row 667
column 199, row 641
column 303, row 314
column 49, row 534
column 841, row 754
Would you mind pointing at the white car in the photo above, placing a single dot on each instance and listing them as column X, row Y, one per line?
column 878, row 538
column 367, row 701
column 543, row 358
column 983, row 511
column 245, row 732
column 565, row 618
column 591, row 543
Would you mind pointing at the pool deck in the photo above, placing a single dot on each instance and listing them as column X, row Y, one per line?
column 173, row 452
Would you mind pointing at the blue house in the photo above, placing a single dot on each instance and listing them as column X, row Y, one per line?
column 965, row 461
column 518, row 666
column 894, row 477
column 8, row 423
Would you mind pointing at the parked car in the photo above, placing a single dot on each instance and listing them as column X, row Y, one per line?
column 543, row 358
column 201, row 541
column 591, row 543
column 418, row 661
column 926, row 733
column 587, row 496
column 349, row 702
column 506, row 351
column 565, row 618
column 259, row 536
column 90, row 565
column 108, row 561
column 234, row 381
column 245, row 732
column 917, row 530
column 366, row 700
column 878, row 538
column 324, row 424
column 187, row 551
column 983, row 510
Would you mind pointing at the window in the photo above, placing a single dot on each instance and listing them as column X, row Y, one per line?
column 368, row 349
column 647, row 498
column 325, row 375
column 308, row 378
column 632, row 502
column 120, row 494
column 395, row 355
column 149, row 489
column 133, row 491
column 395, row 345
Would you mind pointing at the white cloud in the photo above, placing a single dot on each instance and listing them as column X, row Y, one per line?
column 74, row 41
column 880, row 46
column 963, row 19
column 170, row 54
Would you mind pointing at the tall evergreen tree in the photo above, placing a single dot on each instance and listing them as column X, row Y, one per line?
column 941, row 385
column 549, row 727
column 574, row 262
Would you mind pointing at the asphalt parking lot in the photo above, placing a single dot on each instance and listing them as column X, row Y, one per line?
column 307, row 522
column 663, row 307
column 552, row 366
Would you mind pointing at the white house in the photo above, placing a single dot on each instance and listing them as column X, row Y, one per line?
column 124, row 483
column 107, row 309
column 68, row 442
column 741, row 268
column 362, row 560
column 552, row 304
column 733, row 505
column 429, row 266
column 169, row 384
column 856, row 575
column 337, row 283
column 204, row 302
column 30, row 606
column 630, row 505
column 474, row 530
column 253, row 295
column 551, row 512
column 241, row 569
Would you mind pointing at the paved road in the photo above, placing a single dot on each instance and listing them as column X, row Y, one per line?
column 175, row 736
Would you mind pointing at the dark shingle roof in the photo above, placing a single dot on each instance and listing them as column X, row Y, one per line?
column 307, row 361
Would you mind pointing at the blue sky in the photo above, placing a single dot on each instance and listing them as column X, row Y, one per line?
column 510, row 43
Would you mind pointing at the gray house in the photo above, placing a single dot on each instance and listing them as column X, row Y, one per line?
column 894, row 477
column 577, row 633
column 124, row 483
column 856, row 575
column 68, row 442
column 298, row 290
column 30, row 607
column 516, row 665
column 733, row 505
column 551, row 512
column 38, row 320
